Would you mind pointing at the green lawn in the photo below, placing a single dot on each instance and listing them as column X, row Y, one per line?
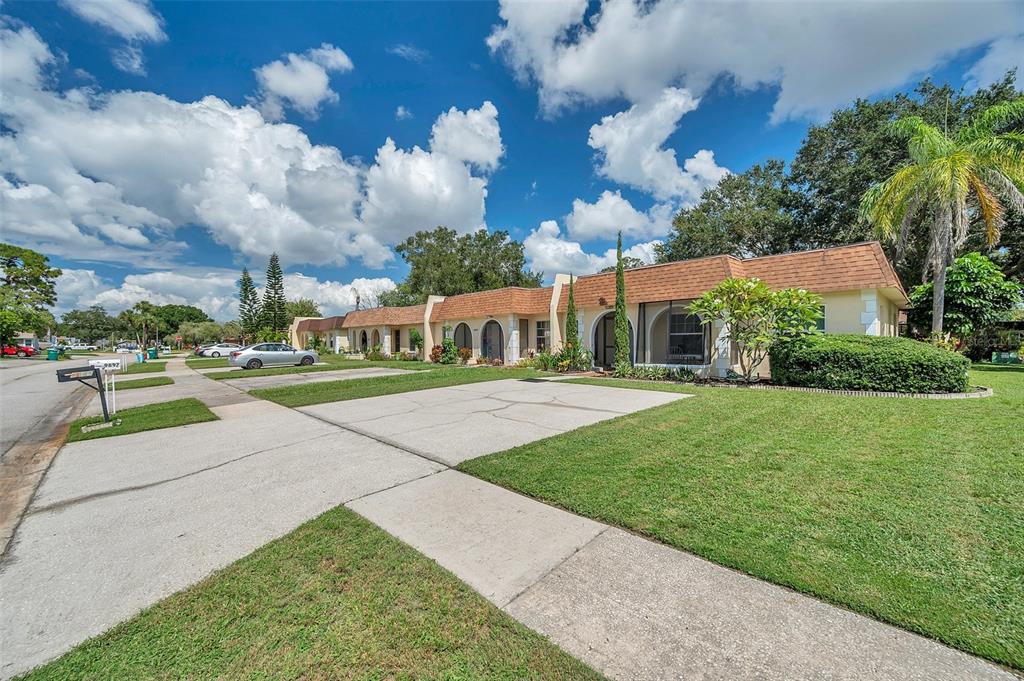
column 206, row 362
column 333, row 366
column 148, row 417
column 335, row 391
column 150, row 382
column 335, row 599
column 148, row 367
column 911, row 511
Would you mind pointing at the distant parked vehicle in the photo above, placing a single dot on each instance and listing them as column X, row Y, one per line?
column 19, row 350
column 264, row 354
column 219, row 350
column 81, row 346
column 165, row 348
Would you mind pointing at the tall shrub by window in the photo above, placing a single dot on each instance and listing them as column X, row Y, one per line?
column 621, row 320
column 756, row 318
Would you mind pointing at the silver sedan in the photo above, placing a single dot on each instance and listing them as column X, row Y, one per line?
column 266, row 354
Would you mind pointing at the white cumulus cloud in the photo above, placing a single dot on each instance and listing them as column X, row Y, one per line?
column 111, row 176
column 612, row 213
column 549, row 252
column 1001, row 56
column 134, row 20
column 818, row 54
column 300, row 81
column 473, row 136
column 215, row 292
column 629, row 149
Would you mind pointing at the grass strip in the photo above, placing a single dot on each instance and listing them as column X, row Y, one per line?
column 336, row 391
column 145, row 367
column 334, row 366
column 151, row 382
column 148, row 417
column 336, row 598
column 207, row 362
column 909, row 511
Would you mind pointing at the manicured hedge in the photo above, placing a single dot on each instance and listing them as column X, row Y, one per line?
column 841, row 362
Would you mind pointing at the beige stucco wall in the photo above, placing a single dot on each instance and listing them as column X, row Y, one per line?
column 842, row 312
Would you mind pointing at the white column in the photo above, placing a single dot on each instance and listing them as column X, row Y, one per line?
column 512, row 347
column 385, row 340
column 722, row 349
column 869, row 317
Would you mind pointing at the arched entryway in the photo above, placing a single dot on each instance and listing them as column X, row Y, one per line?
column 492, row 341
column 463, row 336
column 375, row 339
column 604, row 341
column 364, row 342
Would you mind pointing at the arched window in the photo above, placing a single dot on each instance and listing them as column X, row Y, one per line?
column 492, row 341
column 363, row 342
column 463, row 336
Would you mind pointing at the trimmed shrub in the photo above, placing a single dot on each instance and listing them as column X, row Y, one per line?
column 849, row 362
column 435, row 354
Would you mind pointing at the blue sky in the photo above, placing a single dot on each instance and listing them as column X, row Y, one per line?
column 133, row 221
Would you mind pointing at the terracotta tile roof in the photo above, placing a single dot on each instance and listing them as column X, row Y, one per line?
column 510, row 300
column 324, row 324
column 842, row 268
column 386, row 316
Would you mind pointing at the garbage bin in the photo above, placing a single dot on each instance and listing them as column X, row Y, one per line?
column 140, row 357
column 51, row 354
column 152, row 353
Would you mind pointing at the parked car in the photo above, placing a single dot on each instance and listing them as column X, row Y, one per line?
column 165, row 348
column 262, row 354
column 218, row 350
column 81, row 346
column 19, row 350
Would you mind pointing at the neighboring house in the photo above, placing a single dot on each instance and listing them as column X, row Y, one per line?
column 27, row 338
column 328, row 329
column 859, row 289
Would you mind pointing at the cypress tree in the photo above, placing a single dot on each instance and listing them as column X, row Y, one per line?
column 621, row 320
column 572, row 334
column 273, row 313
column 248, row 305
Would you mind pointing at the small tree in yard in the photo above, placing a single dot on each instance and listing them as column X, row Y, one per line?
column 274, row 315
column 756, row 317
column 977, row 295
column 415, row 340
column 621, row 321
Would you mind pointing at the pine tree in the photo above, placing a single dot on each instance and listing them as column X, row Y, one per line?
column 274, row 316
column 248, row 306
column 621, row 321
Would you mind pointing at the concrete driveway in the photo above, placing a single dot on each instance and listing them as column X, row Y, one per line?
column 453, row 424
column 119, row 523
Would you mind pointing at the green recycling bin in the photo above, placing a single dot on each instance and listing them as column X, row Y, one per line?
column 51, row 354
column 152, row 353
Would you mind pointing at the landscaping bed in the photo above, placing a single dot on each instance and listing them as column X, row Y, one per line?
column 336, row 391
column 336, row 598
column 910, row 511
column 148, row 417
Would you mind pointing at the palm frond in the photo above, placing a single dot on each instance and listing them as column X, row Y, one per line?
column 924, row 141
column 991, row 210
column 1004, row 188
column 991, row 120
column 885, row 204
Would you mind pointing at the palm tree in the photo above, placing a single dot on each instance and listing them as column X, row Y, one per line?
column 956, row 179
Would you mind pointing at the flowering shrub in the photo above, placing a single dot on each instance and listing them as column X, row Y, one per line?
column 465, row 354
column 435, row 354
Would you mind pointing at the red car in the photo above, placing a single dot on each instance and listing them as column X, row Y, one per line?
column 19, row 350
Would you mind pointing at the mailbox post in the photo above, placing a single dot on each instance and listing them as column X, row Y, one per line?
column 82, row 375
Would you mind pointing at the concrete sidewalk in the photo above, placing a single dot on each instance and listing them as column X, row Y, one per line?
column 636, row 609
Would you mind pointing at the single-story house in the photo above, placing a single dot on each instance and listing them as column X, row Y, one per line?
column 328, row 329
column 860, row 293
